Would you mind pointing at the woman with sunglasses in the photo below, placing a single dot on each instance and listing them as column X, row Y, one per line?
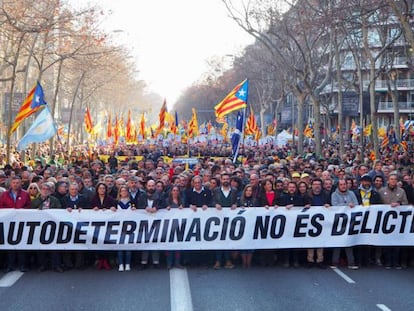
column 34, row 191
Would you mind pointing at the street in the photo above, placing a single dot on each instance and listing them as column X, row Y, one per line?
column 259, row 288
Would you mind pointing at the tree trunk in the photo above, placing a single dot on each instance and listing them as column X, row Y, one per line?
column 373, row 110
column 71, row 109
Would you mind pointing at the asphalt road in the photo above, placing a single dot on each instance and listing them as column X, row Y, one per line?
column 270, row 288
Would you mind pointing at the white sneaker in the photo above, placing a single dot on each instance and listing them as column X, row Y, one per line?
column 127, row 267
column 121, row 268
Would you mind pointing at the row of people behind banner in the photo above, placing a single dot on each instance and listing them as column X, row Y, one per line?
column 166, row 186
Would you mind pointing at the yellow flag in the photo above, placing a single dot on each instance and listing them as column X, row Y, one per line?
column 368, row 130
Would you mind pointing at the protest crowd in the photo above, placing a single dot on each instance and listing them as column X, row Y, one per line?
column 142, row 177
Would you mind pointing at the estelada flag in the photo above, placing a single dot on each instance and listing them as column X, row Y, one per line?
column 236, row 99
column 32, row 103
column 88, row 121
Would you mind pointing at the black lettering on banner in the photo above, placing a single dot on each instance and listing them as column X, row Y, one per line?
column 364, row 228
column 111, row 231
column 299, row 225
column 208, row 235
column 10, row 239
column 404, row 215
column 128, row 228
column 32, row 226
column 164, row 232
column 240, row 223
column 339, row 224
column 262, row 227
column 194, row 231
column 97, row 225
column 1, row 233
column 378, row 222
column 316, row 223
column 64, row 232
column 277, row 227
column 412, row 226
column 150, row 235
column 177, row 230
column 354, row 222
column 79, row 232
column 47, row 227
column 385, row 228
column 224, row 228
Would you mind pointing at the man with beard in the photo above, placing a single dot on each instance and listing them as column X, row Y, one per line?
column 366, row 196
column 224, row 196
column 151, row 201
column 318, row 198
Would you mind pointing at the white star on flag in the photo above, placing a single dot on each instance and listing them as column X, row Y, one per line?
column 242, row 93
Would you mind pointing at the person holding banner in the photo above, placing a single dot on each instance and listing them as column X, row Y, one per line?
column 44, row 202
column 289, row 200
column 151, row 201
column 124, row 202
column 318, row 198
column 174, row 201
column 224, row 196
column 74, row 200
column 247, row 200
column 16, row 198
column 195, row 198
column 394, row 196
column 366, row 196
column 342, row 196
column 101, row 202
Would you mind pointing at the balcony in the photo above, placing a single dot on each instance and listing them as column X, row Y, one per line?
column 388, row 107
column 380, row 86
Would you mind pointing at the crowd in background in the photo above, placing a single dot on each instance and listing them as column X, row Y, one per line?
column 263, row 177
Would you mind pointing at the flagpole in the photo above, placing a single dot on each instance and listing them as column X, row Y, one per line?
column 242, row 134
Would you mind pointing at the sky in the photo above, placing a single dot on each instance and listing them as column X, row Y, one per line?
column 171, row 40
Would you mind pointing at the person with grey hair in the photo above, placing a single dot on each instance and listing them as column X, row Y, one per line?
column 394, row 196
column 343, row 196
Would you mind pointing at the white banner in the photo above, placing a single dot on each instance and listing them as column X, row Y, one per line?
column 252, row 228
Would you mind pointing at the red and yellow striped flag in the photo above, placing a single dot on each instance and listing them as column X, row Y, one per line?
column 251, row 125
column 385, row 142
column 129, row 134
column 142, row 126
column 116, row 130
column 88, row 121
column 235, row 100
column 161, row 115
column 109, row 127
column 193, row 125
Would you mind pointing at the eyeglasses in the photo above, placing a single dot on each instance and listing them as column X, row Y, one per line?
column 32, row 188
